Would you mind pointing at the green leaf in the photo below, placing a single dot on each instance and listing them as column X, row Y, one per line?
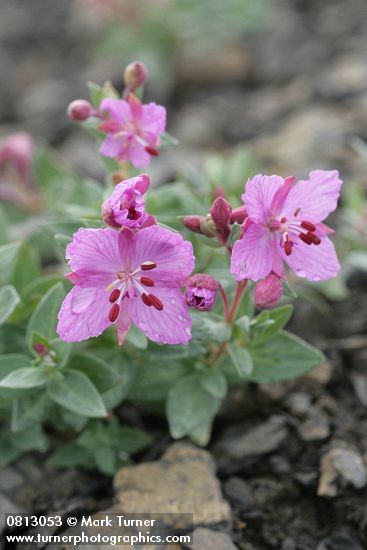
column 282, row 358
column 189, row 406
column 9, row 299
column 215, row 383
column 70, row 456
column 244, row 325
column 28, row 410
column 210, row 328
column 103, row 376
column 31, row 439
column 11, row 362
column 241, row 359
column 269, row 322
column 105, row 459
column 47, row 168
column 18, row 265
column 75, row 392
column 32, row 377
column 44, row 317
column 153, row 380
column 8, row 453
column 136, row 338
column 131, row 440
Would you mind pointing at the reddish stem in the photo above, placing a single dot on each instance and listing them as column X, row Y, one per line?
column 225, row 301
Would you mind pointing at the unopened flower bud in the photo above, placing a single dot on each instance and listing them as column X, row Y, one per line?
column 239, row 215
column 208, row 227
column 221, row 213
column 192, row 223
column 79, row 110
column 268, row 291
column 40, row 349
column 135, row 74
column 201, row 292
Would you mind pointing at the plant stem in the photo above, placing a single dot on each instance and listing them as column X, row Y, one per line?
column 225, row 301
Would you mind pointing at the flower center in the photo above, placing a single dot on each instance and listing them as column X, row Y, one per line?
column 130, row 284
column 294, row 227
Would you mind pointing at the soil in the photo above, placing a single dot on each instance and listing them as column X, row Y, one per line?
column 298, row 97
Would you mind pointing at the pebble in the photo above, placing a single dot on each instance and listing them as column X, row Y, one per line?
column 207, row 539
column 344, row 466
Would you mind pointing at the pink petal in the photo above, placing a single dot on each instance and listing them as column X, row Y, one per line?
column 316, row 197
column 137, row 155
column 172, row 325
column 95, row 251
column 153, row 119
column 83, row 314
column 315, row 263
column 118, row 109
column 259, row 195
column 124, row 321
column 113, row 146
column 172, row 254
column 142, row 183
column 253, row 255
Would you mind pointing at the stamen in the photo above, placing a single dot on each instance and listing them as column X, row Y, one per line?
column 307, row 238
column 288, row 246
column 146, row 281
column 114, row 313
column 146, row 300
column 145, row 266
column 283, row 220
column 316, row 240
column 297, row 213
column 156, row 302
column 114, row 295
column 308, row 225
column 152, row 150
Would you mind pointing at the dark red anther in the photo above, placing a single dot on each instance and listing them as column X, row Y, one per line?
column 146, row 300
column 283, row 220
column 307, row 238
column 114, row 313
column 146, row 266
column 152, row 150
column 156, row 302
column 297, row 213
column 288, row 247
column 146, row 281
column 316, row 240
column 115, row 294
column 308, row 225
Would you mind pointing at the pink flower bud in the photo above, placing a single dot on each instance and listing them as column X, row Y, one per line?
column 107, row 214
column 135, row 74
column 221, row 213
column 268, row 291
column 79, row 110
column 40, row 349
column 208, row 227
column 239, row 215
column 201, row 292
column 193, row 223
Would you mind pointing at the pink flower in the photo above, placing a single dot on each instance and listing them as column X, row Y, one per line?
column 201, row 292
column 126, row 206
column 268, row 292
column 284, row 224
column 133, row 130
column 123, row 277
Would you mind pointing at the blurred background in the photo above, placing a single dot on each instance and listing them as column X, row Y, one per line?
column 275, row 86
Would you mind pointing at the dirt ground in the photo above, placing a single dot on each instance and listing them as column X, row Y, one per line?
column 290, row 456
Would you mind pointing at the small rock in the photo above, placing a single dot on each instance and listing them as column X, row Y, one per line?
column 187, row 483
column 339, row 542
column 10, row 479
column 207, row 539
column 316, row 427
column 299, row 403
column 341, row 464
column 238, row 493
column 360, row 387
column 263, row 439
column 319, row 376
